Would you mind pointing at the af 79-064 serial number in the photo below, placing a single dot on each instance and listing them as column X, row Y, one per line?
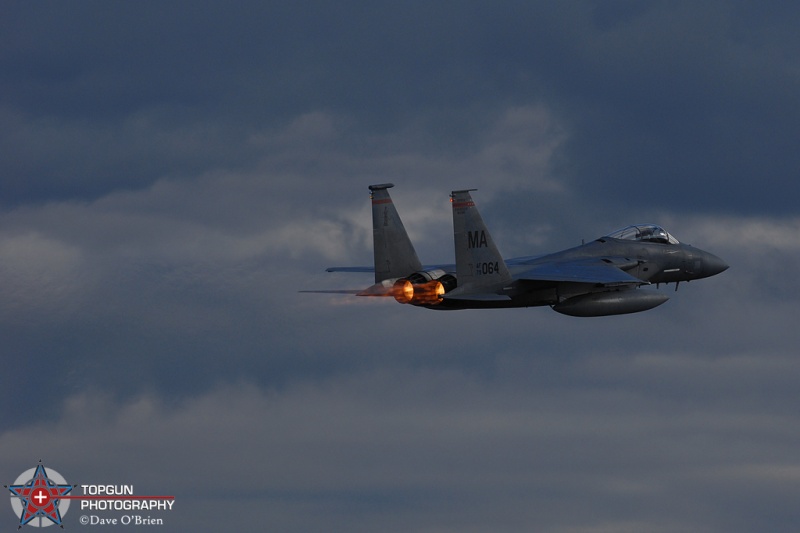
column 484, row 269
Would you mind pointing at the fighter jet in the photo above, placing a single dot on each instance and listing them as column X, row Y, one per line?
column 611, row 275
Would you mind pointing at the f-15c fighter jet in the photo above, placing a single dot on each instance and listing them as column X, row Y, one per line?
column 603, row 277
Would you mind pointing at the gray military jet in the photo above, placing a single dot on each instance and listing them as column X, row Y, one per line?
column 599, row 278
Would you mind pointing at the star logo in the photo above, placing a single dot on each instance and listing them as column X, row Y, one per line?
column 36, row 494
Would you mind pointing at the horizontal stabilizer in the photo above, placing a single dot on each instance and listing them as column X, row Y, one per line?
column 350, row 269
column 383, row 288
column 334, row 291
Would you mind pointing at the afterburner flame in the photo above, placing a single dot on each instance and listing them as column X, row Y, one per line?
column 403, row 291
column 428, row 293
column 418, row 294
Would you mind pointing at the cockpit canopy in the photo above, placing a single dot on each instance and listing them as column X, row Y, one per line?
column 644, row 232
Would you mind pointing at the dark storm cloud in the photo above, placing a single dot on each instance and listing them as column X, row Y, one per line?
column 686, row 102
column 698, row 104
column 174, row 173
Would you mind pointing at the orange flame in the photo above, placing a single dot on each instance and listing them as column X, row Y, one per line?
column 420, row 294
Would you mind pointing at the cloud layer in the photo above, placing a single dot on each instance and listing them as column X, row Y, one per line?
column 174, row 174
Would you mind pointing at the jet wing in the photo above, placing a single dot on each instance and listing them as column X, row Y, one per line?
column 594, row 270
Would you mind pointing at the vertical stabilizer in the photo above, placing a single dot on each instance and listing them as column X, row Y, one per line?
column 395, row 256
column 478, row 262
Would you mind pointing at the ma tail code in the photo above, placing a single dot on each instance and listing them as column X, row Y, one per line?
column 477, row 239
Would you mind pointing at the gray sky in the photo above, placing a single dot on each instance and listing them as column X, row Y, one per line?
column 173, row 173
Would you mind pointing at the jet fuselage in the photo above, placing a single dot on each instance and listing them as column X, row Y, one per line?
column 599, row 278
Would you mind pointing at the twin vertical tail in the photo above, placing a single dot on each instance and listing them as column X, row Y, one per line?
column 478, row 262
column 395, row 256
column 481, row 272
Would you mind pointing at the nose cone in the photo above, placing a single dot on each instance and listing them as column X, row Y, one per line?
column 713, row 265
